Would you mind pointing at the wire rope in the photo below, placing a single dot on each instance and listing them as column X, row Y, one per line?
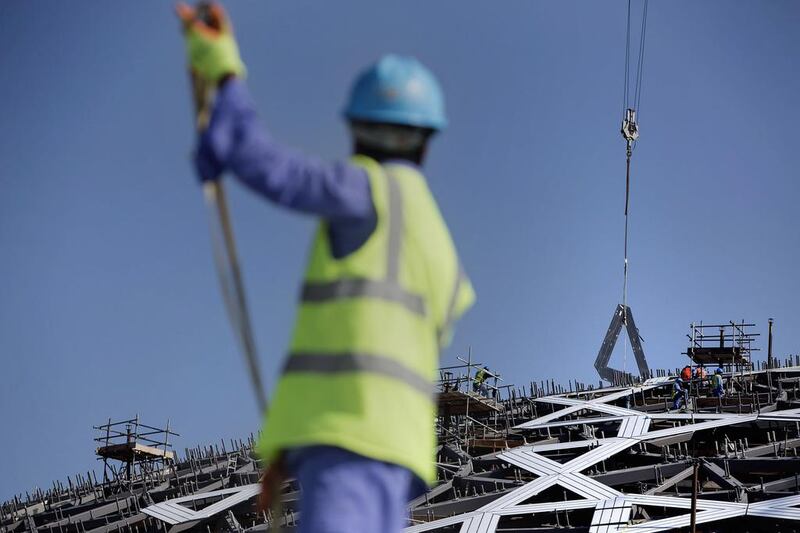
column 630, row 133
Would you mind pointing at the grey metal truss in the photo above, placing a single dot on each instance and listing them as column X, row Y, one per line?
column 611, row 509
column 623, row 316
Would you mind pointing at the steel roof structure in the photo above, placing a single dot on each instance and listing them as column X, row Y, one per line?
column 540, row 458
column 613, row 509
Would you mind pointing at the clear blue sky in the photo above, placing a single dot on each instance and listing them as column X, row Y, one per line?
column 109, row 304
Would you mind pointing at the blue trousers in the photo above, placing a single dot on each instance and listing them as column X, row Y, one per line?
column 678, row 399
column 343, row 492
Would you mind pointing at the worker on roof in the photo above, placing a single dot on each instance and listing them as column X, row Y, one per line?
column 678, row 393
column 700, row 375
column 352, row 417
column 700, row 372
column 717, row 383
column 479, row 382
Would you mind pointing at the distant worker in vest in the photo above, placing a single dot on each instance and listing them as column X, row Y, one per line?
column 700, row 372
column 717, row 383
column 352, row 417
column 678, row 393
column 479, row 383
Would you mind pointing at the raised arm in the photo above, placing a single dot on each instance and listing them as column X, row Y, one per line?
column 236, row 141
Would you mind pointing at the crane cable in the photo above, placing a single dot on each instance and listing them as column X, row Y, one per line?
column 630, row 132
column 626, row 103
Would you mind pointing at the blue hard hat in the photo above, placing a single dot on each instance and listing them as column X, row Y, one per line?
column 397, row 90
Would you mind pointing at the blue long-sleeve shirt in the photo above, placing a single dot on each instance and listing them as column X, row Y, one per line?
column 236, row 141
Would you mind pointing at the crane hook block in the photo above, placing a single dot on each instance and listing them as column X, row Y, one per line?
column 630, row 130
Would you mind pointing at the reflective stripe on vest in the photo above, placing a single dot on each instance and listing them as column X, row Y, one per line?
column 396, row 224
column 355, row 362
column 363, row 288
column 389, row 288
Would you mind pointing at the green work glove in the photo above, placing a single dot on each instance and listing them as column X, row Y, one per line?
column 210, row 44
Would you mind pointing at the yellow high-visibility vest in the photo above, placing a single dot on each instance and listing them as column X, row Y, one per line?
column 365, row 349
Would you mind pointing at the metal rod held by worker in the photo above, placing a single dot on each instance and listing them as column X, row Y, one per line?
column 224, row 246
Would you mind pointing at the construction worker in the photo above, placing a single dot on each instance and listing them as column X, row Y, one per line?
column 479, row 383
column 352, row 417
column 700, row 372
column 717, row 383
column 678, row 393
